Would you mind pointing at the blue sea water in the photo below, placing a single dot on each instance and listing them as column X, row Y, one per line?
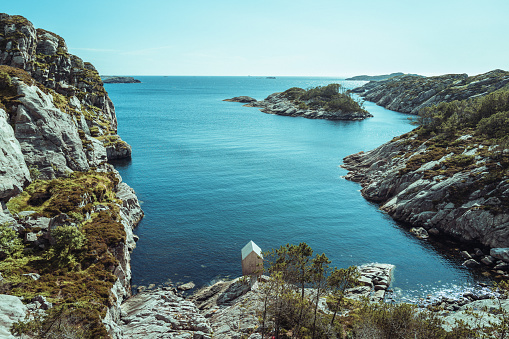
column 213, row 175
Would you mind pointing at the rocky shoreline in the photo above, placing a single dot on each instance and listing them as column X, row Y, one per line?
column 279, row 104
column 428, row 205
column 227, row 309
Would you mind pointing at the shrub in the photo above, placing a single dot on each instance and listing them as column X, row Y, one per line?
column 5, row 80
column 10, row 244
column 494, row 126
column 387, row 321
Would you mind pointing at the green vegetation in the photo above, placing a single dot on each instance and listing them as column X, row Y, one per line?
column 469, row 136
column 332, row 97
column 290, row 311
column 10, row 244
column 77, row 271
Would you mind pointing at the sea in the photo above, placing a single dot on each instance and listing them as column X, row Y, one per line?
column 212, row 175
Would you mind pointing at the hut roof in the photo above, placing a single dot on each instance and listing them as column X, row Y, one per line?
column 251, row 247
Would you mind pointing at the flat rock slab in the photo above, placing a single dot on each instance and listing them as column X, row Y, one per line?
column 375, row 280
column 162, row 314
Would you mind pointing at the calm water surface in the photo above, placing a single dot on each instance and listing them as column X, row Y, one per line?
column 213, row 175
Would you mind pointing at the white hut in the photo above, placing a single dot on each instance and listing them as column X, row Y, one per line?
column 252, row 259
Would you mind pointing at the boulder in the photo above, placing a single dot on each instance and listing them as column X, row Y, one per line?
column 419, row 232
column 471, row 263
column 488, row 260
column 187, row 286
column 500, row 253
column 12, row 310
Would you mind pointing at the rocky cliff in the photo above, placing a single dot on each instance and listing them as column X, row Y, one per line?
column 75, row 216
column 450, row 175
column 410, row 93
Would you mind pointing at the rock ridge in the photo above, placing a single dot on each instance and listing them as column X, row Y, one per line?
column 410, row 93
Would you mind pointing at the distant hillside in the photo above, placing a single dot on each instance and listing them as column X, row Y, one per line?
column 378, row 77
column 410, row 94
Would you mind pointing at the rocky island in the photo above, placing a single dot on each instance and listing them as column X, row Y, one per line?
column 329, row 102
column 119, row 80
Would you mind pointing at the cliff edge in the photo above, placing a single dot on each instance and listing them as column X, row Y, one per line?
column 66, row 217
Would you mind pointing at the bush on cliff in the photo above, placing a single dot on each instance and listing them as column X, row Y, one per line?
column 10, row 244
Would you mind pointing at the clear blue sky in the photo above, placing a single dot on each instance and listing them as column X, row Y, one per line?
column 278, row 37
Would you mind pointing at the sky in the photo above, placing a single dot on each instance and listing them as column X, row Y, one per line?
column 278, row 37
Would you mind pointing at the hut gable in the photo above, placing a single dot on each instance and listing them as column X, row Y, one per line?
column 252, row 259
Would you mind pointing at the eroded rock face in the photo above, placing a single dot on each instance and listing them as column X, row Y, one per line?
column 45, row 57
column 14, row 174
column 48, row 137
column 410, row 93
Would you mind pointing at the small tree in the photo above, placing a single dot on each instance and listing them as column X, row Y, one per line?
column 68, row 239
column 339, row 281
column 319, row 270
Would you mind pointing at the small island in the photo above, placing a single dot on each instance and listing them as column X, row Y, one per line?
column 120, row 80
column 331, row 102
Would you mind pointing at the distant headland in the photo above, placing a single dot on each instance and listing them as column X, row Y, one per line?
column 378, row 77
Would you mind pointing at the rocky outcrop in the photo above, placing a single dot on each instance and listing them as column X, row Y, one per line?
column 66, row 84
column 12, row 310
column 410, row 93
column 431, row 187
column 120, row 80
column 375, row 279
column 280, row 104
column 163, row 314
column 243, row 99
column 478, row 314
